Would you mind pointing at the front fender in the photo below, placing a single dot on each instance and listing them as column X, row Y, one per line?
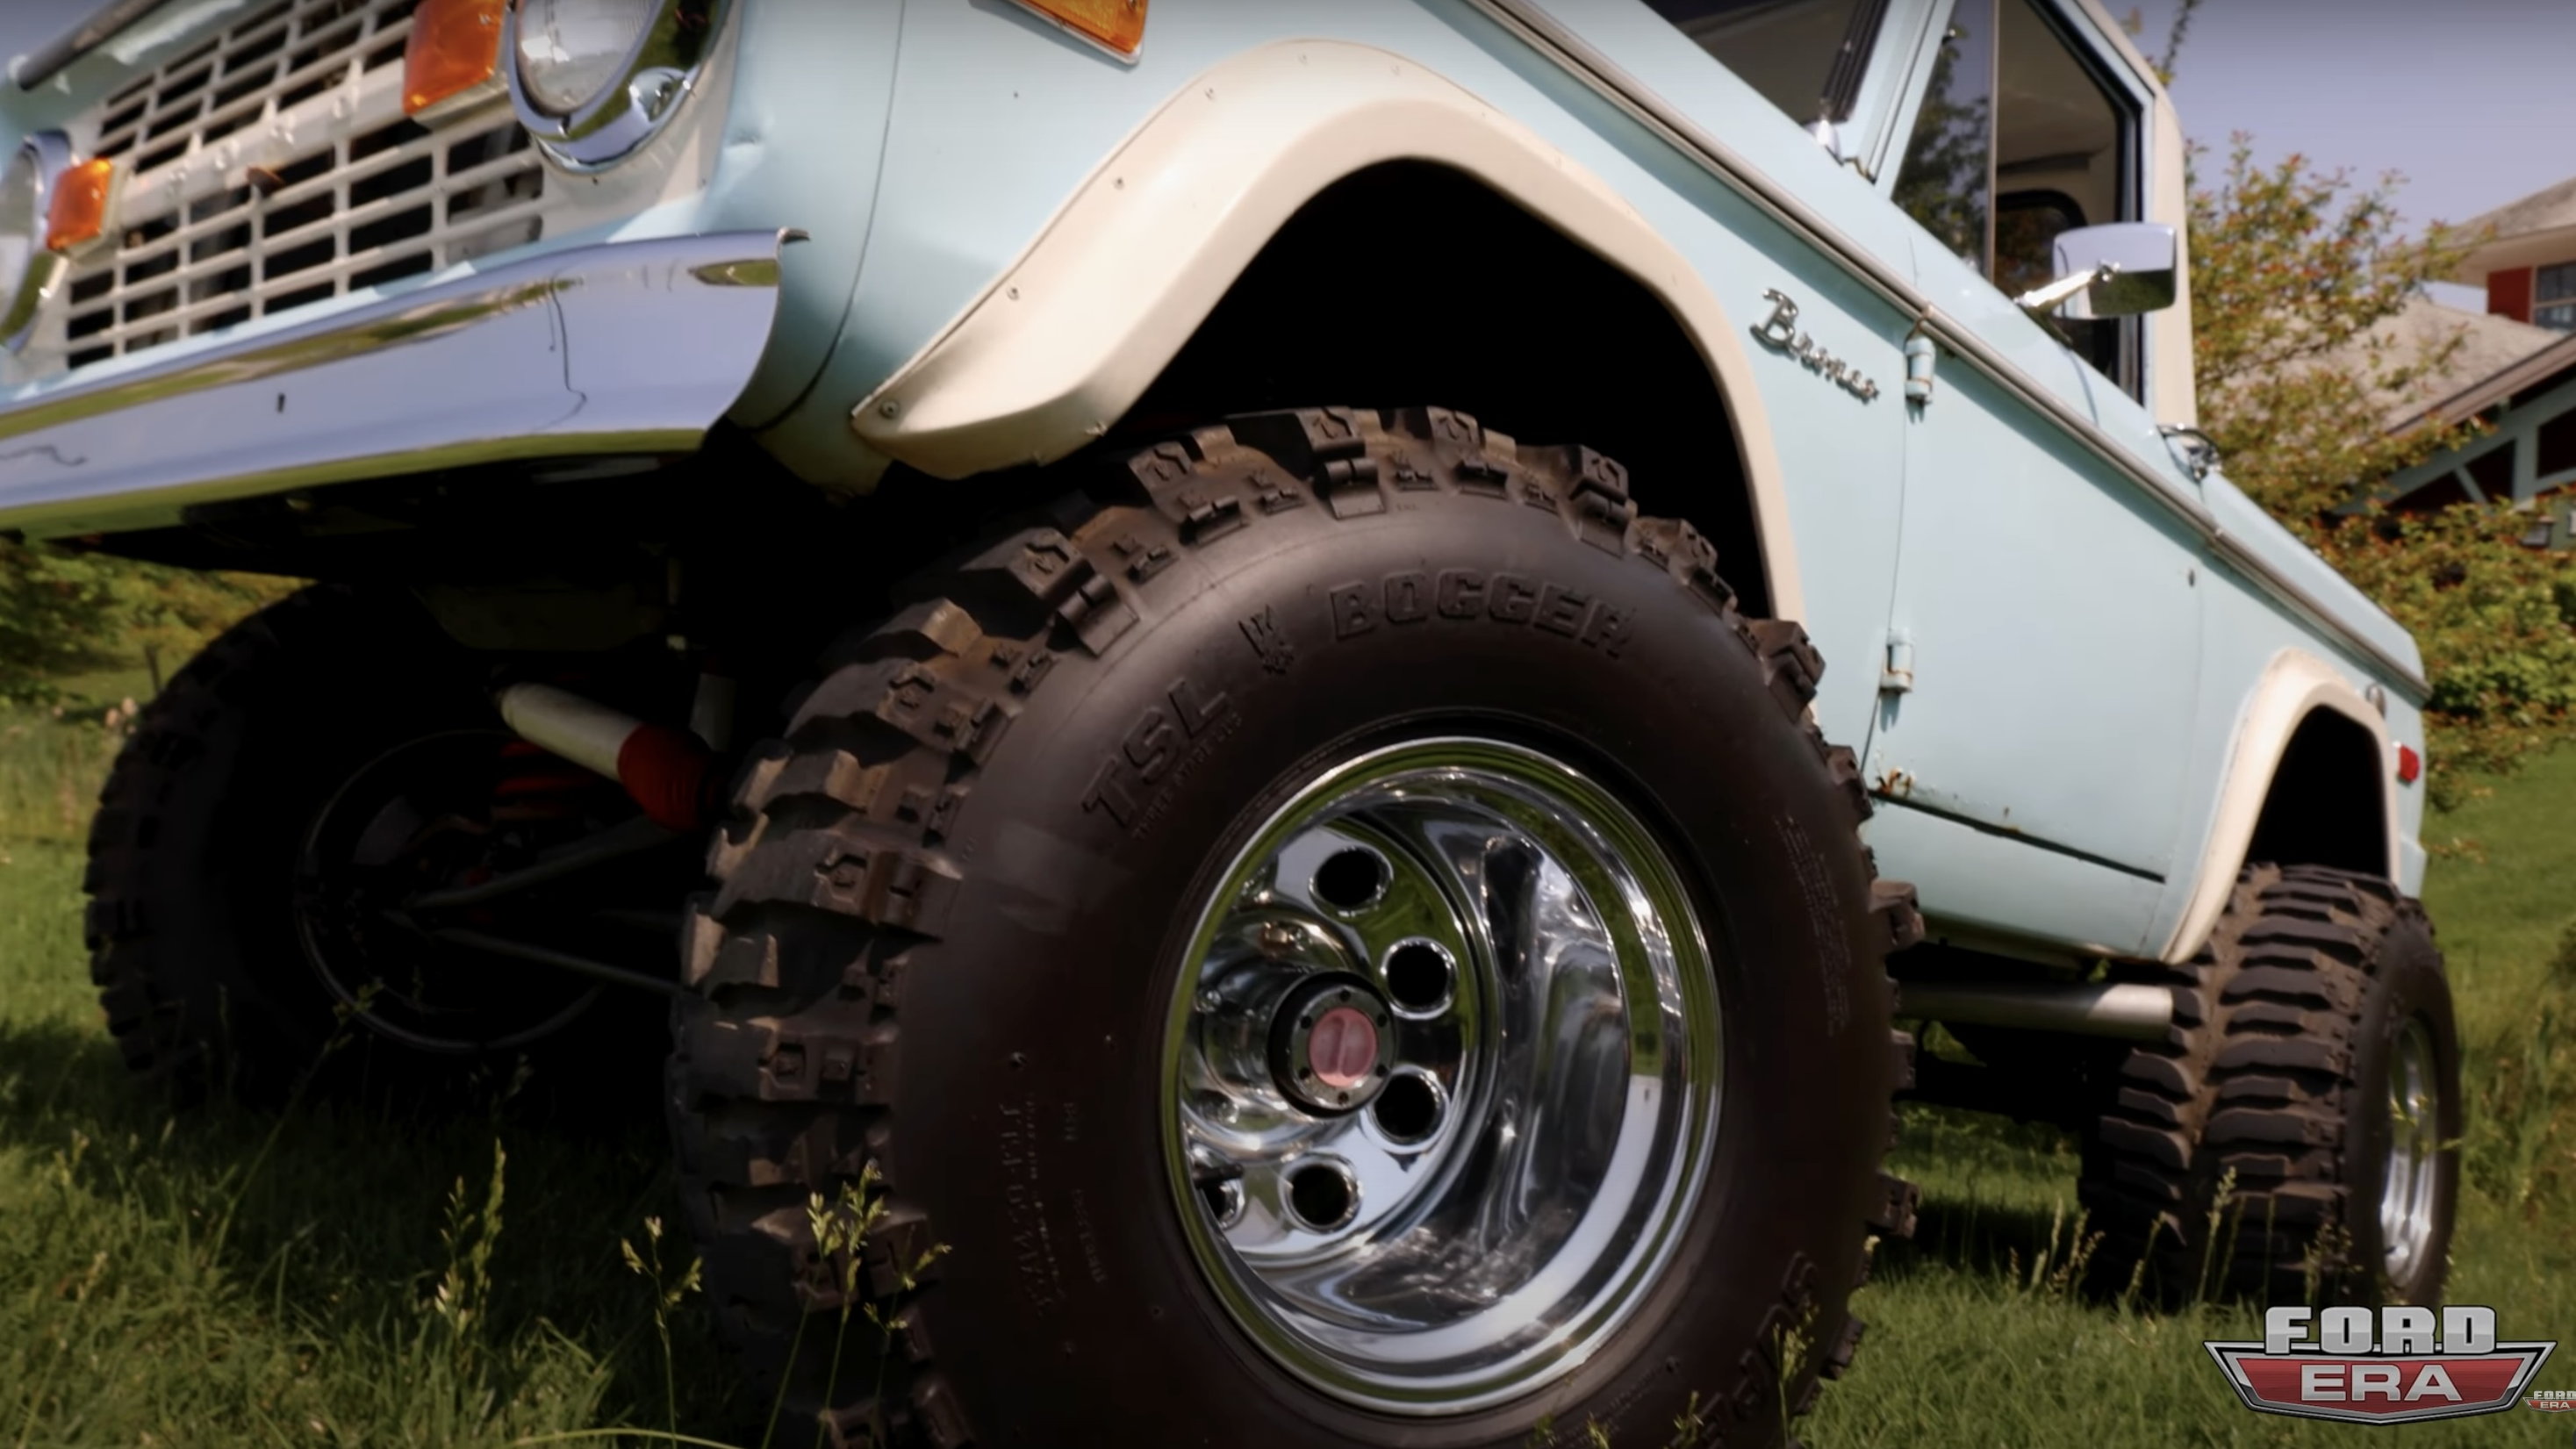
column 1066, row 339
column 803, row 75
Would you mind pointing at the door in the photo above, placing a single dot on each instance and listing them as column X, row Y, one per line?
column 1799, row 88
column 2045, row 601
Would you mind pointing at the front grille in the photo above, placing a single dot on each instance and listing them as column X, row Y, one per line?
column 272, row 167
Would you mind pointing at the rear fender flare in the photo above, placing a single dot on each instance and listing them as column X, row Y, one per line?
column 2293, row 687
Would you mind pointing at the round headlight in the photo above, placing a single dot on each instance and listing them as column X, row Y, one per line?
column 27, row 269
column 592, row 80
column 22, row 194
column 571, row 52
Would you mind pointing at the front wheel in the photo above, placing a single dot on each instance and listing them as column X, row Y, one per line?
column 1344, row 938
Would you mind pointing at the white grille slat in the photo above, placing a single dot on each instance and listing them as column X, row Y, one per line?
column 334, row 274
column 331, row 274
column 198, row 196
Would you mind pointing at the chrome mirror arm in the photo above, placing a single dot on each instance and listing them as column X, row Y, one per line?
column 2046, row 299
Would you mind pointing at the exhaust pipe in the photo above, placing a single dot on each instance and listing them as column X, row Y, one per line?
column 669, row 772
column 2137, row 1013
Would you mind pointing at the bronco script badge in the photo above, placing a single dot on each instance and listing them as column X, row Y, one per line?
column 1781, row 334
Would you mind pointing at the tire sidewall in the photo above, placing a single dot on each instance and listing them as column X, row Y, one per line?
column 2409, row 986
column 277, row 718
column 1029, row 1097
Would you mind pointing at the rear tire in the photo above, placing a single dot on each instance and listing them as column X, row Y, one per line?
column 959, row 906
column 2318, row 1005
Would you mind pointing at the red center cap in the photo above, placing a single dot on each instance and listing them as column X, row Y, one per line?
column 1343, row 1048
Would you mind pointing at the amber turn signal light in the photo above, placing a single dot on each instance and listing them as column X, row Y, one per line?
column 77, row 215
column 1117, row 26
column 453, row 59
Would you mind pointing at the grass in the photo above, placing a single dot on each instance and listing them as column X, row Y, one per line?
column 218, row 1278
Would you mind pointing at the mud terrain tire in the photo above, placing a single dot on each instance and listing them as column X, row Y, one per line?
column 2277, row 1070
column 949, row 919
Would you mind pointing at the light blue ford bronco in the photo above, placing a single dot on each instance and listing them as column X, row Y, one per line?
column 1206, row 624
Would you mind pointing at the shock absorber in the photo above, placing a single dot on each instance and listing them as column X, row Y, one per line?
column 669, row 772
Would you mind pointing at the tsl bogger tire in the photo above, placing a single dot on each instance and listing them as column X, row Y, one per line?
column 2313, row 1068
column 323, row 758
column 1343, row 935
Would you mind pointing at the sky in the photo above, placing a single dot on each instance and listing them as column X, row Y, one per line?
column 2474, row 101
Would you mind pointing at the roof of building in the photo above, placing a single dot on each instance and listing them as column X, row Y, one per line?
column 2535, row 229
column 2547, row 209
column 2549, row 365
column 2490, row 347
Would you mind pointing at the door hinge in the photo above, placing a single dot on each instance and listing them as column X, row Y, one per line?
column 1921, row 355
column 1897, row 677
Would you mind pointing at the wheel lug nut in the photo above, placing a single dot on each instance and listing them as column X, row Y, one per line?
column 1224, row 1201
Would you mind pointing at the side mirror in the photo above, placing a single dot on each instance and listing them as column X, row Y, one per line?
column 2125, row 269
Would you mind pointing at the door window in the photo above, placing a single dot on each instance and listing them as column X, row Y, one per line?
column 2019, row 140
column 1947, row 181
column 1804, row 56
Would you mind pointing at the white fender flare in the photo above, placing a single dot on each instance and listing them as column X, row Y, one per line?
column 2294, row 686
column 1066, row 340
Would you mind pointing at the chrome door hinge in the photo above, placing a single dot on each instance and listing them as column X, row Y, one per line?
column 1897, row 675
column 1921, row 354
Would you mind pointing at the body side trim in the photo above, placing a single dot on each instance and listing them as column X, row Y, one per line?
column 1982, row 827
column 1071, row 334
column 2293, row 686
column 1534, row 26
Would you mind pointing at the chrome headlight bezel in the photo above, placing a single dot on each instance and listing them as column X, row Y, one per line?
column 650, row 86
column 22, row 296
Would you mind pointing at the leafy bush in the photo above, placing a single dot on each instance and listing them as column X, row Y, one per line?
column 63, row 612
column 2293, row 272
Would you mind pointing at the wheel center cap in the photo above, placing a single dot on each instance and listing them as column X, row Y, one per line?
column 1343, row 1048
column 1332, row 1044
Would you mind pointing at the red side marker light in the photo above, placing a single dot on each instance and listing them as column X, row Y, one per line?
column 2410, row 765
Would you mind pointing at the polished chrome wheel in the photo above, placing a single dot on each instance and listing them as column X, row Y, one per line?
column 1441, row 1075
column 2406, row 1197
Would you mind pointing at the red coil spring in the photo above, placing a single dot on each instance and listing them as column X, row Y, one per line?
column 535, row 785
